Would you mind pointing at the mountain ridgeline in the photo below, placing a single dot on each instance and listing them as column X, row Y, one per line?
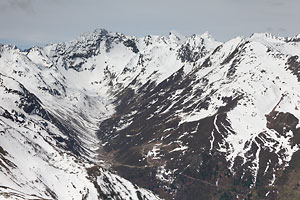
column 110, row 116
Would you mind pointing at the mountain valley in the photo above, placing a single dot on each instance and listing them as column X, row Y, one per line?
column 110, row 116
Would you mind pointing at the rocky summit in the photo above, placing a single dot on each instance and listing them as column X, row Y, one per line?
column 110, row 116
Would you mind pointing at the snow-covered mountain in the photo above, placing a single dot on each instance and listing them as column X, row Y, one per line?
column 184, row 117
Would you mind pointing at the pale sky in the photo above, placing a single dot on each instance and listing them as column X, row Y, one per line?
column 38, row 22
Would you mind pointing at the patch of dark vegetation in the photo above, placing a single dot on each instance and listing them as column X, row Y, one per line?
column 227, row 196
column 287, row 180
column 267, row 166
column 282, row 122
column 127, row 97
column 288, row 183
column 93, row 171
column 294, row 66
column 231, row 103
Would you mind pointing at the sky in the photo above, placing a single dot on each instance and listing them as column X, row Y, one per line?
column 38, row 22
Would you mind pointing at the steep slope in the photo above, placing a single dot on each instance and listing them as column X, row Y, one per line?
column 229, row 127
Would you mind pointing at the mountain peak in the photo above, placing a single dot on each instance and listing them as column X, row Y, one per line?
column 175, row 36
column 95, row 33
column 207, row 35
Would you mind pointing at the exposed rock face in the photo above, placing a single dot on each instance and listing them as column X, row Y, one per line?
column 187, row 118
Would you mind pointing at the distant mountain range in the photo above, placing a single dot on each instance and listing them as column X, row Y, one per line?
column 106, row 115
